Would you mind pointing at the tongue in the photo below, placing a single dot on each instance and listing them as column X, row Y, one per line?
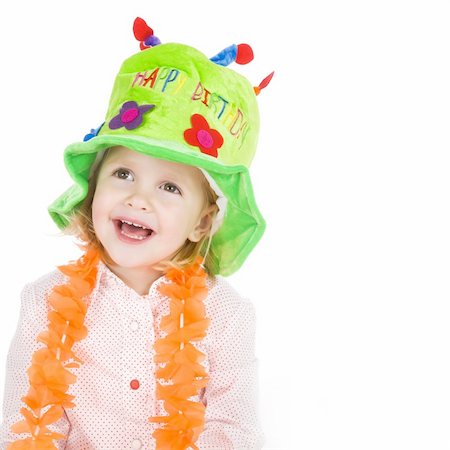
column 135, row 231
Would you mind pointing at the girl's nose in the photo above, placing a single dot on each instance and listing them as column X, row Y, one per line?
column 140, row 200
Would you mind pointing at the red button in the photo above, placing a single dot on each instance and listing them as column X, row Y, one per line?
column 134, row 384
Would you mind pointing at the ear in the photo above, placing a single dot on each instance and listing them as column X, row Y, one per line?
column 203, row 224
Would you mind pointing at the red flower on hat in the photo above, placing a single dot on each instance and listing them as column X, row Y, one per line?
column 202, row 136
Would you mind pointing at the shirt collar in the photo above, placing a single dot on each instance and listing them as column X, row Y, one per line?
column 108, row 278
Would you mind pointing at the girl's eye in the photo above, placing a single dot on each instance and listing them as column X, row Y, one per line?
column 169, row 187
column 121, row 172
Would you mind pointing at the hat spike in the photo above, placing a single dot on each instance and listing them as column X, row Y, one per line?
column 241, row 54
column 144, row 34
column 263, row 83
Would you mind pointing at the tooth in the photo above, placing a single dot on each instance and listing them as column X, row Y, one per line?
column 135, row 224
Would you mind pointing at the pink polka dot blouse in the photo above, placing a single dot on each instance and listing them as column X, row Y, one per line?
column 115, row 387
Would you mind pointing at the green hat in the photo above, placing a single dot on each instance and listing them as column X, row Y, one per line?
column 171, row 102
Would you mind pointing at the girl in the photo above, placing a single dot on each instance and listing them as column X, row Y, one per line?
column 140, row 343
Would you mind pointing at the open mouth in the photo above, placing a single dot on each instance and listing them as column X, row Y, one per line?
column 130, row 232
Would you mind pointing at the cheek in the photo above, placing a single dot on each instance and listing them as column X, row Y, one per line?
column 191, row 217
column 176, row 220
column 99, row 206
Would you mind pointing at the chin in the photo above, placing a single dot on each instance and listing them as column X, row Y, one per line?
column 127, row 259
column 130, row 258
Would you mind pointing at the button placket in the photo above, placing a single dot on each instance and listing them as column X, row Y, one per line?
column 134, row 384
column 137, row 365
column 134, row 325
column 136, row 444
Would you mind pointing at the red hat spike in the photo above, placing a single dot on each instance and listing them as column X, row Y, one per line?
column 263, row 83
column 141, row 30
column 144, row 34
column 244, row 54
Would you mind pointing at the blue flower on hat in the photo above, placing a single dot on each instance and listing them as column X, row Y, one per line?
column 130, row 116
column 93, row 133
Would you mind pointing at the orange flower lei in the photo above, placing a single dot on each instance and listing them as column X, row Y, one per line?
column 49, row 378
column 186, row 322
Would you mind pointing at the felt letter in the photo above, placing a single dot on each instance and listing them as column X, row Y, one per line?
column 243, row 131
column 236, row 125
column 162, row 75
column 218, row 101
column 205, row 98
column 197, row 95
column 152, row 78
column 139, row 76
column 180, row 82
column 171, row 77
column 229, row 114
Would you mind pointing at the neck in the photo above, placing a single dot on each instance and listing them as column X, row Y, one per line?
column 139, row 279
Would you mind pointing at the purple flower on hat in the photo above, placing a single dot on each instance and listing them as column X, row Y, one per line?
column 130, row 116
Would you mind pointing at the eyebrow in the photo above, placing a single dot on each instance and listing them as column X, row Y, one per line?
column 125, row 162
column 167, row 172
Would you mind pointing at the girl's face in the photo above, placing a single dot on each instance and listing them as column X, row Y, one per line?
column 165, row 196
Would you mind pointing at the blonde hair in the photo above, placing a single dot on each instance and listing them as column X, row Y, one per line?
column 81, row 226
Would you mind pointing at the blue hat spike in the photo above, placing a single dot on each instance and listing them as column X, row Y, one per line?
column 226, row 56
column 241, row 53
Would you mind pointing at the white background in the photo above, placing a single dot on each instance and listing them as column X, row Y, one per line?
column 350, row 281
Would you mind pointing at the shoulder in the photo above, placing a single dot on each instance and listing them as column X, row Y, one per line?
column 37, row 289
column 220, row 290
column 225, row 304
column 33, row 307
column 232, row 321
column 46, row 282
